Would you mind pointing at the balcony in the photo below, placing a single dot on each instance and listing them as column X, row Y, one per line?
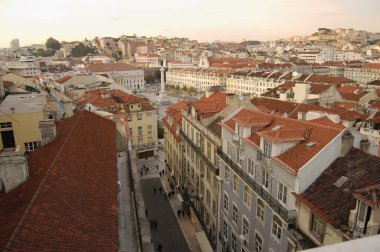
column 200, row 153
column 265, row 161
column 288, row 215
column 354, row 232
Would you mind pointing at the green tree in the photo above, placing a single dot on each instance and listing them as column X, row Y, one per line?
column 177, row 87
column 184, row 88
column 81, row 50
column 160, row 131
column 44, row 53
column 191, row 89
column 157, row 74
column 52, row 44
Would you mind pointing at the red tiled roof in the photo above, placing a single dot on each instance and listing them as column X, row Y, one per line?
column 175, row 112
column 63, row 79
column 208, row 106
column 293, row 130
column 69, row 202
column 328, row 79
column 372, row 66
column 284, row 135
column 332, row 202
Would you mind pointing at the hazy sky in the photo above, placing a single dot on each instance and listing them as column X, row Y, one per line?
column 33, row 21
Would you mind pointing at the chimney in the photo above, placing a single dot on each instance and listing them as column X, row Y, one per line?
column 48, row 131
column 364, row 145
column 347, row 143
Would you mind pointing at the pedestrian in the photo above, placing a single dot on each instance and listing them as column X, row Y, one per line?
column 146, row 212
column 157, row 167
column 163, row 172
column 155, row 224
column 179, row 213
column 151, row 223
column 159, row 247
column 160, row 189
column 154, row 189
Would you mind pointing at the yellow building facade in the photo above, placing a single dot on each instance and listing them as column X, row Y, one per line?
column 19, row 121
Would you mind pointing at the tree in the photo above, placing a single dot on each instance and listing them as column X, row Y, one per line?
column 44, row 53
column 184, row 88
column 157, row 74
column 81, row 50
column 160, row 131
column 52, row 44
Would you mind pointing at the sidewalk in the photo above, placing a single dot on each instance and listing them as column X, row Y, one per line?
column 187, row 227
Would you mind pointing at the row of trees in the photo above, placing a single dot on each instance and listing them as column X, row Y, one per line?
column 184, row 88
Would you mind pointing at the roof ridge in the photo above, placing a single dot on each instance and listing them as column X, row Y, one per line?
column 28, row 208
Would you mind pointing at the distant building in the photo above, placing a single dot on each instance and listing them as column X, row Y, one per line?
column 27, row 66
column 15, row 44
column 123, row 74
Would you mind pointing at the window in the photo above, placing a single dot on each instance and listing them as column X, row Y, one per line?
column 209, row 151
column 149, row 129
column 148, row 116
column 251, row 167
column 317, row 225
column 225, row 205
column 233, row 242
column 225, row 229
column 226, row 172
column 130, row 117
column 139, row 130
column 5, row 125
column 235, row 213
column 247, row 196
column 31, row 146
column 236, row 184
column 258, row 243
column 260, row 209
column 265, row 178
column 267, row 149
column 245, row 228
column 282, row 192
column 139, row 116
column 277, row 227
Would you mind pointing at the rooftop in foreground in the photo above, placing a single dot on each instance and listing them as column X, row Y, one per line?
column 69, row 202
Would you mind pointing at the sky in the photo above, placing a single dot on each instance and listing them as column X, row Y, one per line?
column 33, row 21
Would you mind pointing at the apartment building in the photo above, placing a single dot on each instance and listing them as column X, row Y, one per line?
column 20, row 117
column 123, row 74
column 198, row 78
column 260, row 166
column 192, row 136
column 364, row 74
column 27, row 66
column 256, row 83
column 141, row 116
column 148, row 60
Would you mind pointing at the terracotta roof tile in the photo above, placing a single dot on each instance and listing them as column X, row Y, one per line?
column 284, row 135
column 69, row 202
column 332, row 203
column 293, row 130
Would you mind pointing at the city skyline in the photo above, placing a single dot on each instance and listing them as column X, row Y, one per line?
column 200, row 20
